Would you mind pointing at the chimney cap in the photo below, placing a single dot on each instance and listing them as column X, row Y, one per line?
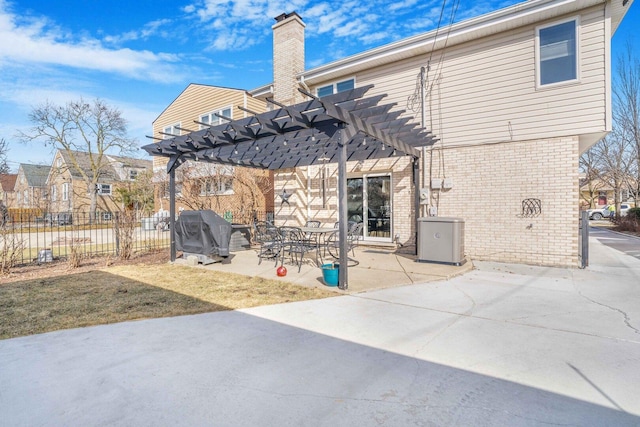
column 284, row 16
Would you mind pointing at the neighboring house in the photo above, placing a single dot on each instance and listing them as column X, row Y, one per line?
column 31, row 187
column 7, row 189
column 207, row 185
column 514, row 96
column 68, row 188
column 597, row 193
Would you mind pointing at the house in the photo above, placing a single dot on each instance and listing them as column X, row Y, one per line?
column 70, row 173
column 7, row 189
column 514, row 97
column 238, row 192
column 597, row 192
column 31, row 186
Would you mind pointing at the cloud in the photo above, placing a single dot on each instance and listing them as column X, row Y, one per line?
column 157, row 27
column 240, row 24
column 35, row 40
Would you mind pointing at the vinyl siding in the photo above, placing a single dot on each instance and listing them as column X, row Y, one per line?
column 197, row 100
column 486, row 90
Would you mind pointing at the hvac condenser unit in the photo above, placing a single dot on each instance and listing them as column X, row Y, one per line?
column 441, row 239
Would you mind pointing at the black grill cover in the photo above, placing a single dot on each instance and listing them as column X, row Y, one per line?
column 203, row 232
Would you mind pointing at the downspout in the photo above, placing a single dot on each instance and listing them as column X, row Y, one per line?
column 423, row 119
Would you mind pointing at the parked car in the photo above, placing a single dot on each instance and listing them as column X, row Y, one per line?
column 58, row 219
column 604, row 212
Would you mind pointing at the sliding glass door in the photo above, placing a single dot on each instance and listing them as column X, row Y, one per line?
column 369, row 201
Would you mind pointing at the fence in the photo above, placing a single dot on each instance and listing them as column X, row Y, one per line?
column 54, row 236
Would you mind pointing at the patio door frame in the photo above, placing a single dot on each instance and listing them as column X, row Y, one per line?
column 365, row 205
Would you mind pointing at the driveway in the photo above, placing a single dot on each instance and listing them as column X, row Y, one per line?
column 502, row 345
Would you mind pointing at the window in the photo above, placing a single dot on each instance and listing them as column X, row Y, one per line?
column 25, row 197
column 171, row 130
column 65, row 191
column 557, row 52
column 336, row 87
column 54, row 193
column 133, row 174
column 163, row 189
column 103, row 189
column 212, row 120
column 59, row 162
column 216, row 185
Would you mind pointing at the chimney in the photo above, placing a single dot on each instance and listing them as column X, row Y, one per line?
column 288, row 57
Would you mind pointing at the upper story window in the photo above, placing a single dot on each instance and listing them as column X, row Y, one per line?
column 54, row 193
column 65, row 191
column 557, row 52
column 133, row 174
column 212, row 120
column 103, row 189
column 171, row 130
column 336, row 87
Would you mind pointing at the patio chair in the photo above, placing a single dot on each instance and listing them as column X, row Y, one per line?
column 354, row 235
column 312, row 224
column 297, row 244
column 269, row 239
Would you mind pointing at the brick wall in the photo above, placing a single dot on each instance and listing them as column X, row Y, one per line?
column 288, row 59
column 489, row 184
column 306, row 200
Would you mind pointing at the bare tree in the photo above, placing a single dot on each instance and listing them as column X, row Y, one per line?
column 626, row 93
column 96, row 129
column 589, row 166
column 4, row 164
column 614, row 157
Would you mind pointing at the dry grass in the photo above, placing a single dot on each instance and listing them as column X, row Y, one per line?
column 132, row 291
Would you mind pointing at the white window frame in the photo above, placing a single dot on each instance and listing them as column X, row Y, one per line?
column 172, row 130
column 65, row 191
column 334, row 85
column 54, row 193
column 217, row 186
column 212, row 120
column 538, row 56
column 101, row 189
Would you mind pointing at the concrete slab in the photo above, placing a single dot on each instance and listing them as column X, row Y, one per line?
column 501, row 345
column 378, row 268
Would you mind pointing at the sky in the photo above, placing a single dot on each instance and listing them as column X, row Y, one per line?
column 139, row 55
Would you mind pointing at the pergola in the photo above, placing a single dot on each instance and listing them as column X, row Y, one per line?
column 332, row 129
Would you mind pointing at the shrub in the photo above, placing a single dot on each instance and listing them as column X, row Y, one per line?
column 634, row 213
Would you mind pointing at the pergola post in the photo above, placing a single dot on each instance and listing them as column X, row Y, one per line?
column 172, row 213
column 343, row 277
column 416, row 199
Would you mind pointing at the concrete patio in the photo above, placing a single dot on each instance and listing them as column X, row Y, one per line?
column 379, row 267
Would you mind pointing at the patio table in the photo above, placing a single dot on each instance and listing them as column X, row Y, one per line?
column 321, row 233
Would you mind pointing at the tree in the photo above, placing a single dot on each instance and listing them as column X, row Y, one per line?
column 96, row 129
column 4, row 165
column 589, row 167
column 626, row 96
column 614, row 156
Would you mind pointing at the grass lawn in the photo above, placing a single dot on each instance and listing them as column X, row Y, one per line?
column 133, row 291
